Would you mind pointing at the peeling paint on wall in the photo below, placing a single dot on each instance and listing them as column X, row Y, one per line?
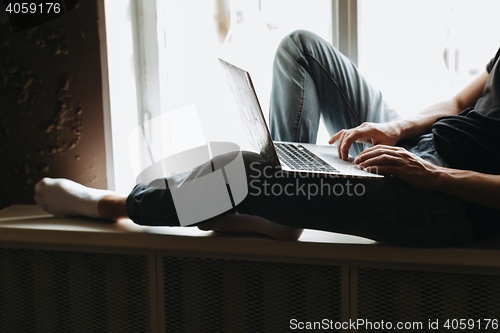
column 65, row 130
column 19, row 84
column 55, row 41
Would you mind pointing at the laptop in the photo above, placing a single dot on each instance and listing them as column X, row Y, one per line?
column 290, row 156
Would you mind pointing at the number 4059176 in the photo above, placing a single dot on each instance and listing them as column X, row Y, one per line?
column 33, row 8
column 462, row 324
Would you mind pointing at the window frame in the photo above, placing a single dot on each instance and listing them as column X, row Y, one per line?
column 345, row 27
column 143, row 80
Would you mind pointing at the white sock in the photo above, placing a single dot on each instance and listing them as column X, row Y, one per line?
column 60, row 196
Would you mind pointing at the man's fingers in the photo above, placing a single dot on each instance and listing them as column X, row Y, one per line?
column 347, row 141
column 377, row 150
column 339, row 143
column 380, row 160
column 335, row 137
column 346, row 138
column 385, row 170
column 371, row 153
column 375, row 147
column 363, row 135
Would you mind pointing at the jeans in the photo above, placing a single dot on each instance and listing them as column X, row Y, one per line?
column 312, row 79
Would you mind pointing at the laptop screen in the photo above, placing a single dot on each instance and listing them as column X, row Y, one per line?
column 248, row 108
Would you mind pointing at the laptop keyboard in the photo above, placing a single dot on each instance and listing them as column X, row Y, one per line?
column 297, row 157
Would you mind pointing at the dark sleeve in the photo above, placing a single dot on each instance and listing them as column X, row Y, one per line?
column 490, row 65
column 152, row 204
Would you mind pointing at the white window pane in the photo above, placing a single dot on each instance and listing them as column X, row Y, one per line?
column 244, row 32
column 421, row 51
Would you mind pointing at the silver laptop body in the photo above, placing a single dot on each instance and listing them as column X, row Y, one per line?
column 291, row 156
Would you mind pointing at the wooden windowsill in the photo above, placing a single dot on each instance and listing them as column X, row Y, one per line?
column 29, row 224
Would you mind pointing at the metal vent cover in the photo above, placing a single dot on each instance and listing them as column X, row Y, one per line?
column 58, row 291
column 215, row 295
column 416, row 296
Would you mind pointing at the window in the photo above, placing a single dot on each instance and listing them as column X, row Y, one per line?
column 243, row 32
column 177, row 99
column 420, row 51
column 162, row 58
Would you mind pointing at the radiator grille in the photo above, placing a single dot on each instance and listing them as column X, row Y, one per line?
column 56, row 291
column 214, row 295
column 411, row 296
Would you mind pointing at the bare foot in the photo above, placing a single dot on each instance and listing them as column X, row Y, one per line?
column 252, row 224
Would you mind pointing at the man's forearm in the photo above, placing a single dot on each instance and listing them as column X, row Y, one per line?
column 422, row 122
column 470, row 186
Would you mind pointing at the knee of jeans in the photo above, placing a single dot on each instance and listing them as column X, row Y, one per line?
column 294, row 42
column 286, row 46
column 298, row 43
column 308, row 41
column 304, row 37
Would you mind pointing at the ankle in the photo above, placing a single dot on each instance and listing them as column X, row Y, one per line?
column 112, row 207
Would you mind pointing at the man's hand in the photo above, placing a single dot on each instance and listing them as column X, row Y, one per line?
column 401, row 163
column 391, row 132
column 467, row 185
column 373, row 133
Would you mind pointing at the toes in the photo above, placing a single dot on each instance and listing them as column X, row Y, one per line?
column 39, row 186
column 40, row 193
column 42, row 184
column 39, row 189
column 38, row 197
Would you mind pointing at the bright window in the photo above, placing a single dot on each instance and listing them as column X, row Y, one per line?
column 243, row 32
column 162, row 59
column 166, row 73
column 421, row 51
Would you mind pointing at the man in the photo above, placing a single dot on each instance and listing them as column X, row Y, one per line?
column 441, row 187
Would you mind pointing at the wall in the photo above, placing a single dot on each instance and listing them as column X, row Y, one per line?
column 51, row 110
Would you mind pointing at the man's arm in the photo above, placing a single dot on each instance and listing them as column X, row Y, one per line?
column 467, row 185
column 470, row 186
column 423, row 121
column 391, row 132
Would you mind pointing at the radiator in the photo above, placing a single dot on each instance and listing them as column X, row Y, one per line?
column 55, row 290
column 59, row 291
column 66, row 291
column 214, row 295
column 418, row 296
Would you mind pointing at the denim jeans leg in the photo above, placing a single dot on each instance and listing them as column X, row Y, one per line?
column 312, row 79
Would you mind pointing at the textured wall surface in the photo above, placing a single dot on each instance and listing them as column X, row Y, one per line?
column 51, row 113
